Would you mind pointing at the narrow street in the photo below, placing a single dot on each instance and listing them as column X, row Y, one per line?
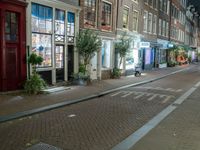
column 100, row 123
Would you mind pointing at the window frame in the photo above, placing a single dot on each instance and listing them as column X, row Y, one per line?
column 111, row 17
column 137, row 20
column 127, row 17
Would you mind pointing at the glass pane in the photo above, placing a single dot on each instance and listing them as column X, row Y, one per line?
column 41, row 18
column 59, row 56
column 11, row 26
column 60, row 22
column 70, row 25
column 7, row 23
column 41, row 45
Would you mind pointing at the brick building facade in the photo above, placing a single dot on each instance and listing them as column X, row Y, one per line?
column 100, row 16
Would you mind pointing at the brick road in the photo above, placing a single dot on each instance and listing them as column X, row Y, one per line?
column 98, row 124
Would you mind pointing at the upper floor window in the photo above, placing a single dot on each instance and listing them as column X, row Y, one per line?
column 151, row 2
column 125, row 17
column 90, row 13
column 106, row 18
column 154, row 24
column 135, row 20
column 155, row 3
column 150, row 23
column 145, row 20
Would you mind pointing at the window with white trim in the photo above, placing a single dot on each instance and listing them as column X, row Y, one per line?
column 145, row 21
column 135, row 20
column 150, row 23
column 125, row 17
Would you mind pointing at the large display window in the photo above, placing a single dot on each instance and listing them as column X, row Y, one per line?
column 42, row 18
column 41, row 45
column 105, row 53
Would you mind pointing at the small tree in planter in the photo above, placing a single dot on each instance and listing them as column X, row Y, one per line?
column 87, row 44
column 121, row 47
column 35, row 84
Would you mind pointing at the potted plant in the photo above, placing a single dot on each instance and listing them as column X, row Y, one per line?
column 87, row 44
column 122, row 48
column 35, row 83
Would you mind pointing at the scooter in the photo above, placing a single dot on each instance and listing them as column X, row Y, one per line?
column 138, row 71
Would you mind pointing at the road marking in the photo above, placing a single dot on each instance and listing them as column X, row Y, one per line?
column 129, row 93
column 197, row 85
column 117, row 93
column 167, row 99
column 140, row 95
column 179, row 90
column 152, row 97
column 160, row 89
column 161, row 96
column 131, row 140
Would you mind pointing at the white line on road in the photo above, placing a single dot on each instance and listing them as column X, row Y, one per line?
column 129, row 93
column 167, row 99
column 130, row 141
column 140, row 95
column 152, row 97
column 117, row 93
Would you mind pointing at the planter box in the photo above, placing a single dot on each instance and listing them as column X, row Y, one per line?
column 163, row 65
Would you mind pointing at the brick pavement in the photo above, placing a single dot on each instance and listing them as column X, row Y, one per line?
column 179, row 131
column 12, row 103
column 99, row 124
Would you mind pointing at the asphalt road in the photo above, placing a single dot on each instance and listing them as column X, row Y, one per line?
column 101, row 123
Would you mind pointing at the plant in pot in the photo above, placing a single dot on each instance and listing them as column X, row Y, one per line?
column 81, row 78
column 87, row 44
column 35, row 83
column 122, row 48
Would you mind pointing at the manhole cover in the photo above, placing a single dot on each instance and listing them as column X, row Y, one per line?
column 43, row 146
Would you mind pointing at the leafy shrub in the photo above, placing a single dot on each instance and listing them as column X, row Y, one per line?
column 81, row 75
column 35, row 84
column 82, row 68
column 116, row 73
column 171, row 63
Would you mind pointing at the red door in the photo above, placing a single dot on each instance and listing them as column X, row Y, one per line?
column 12, row 46
column 11, row 49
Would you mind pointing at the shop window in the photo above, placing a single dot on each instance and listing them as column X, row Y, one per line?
column 11, row 26
column 70, row 27
column 106, row 19
column 125, row 17
column 105, row 53
column 41, row 45
column 59, row 25
column 41, row 18
column 90, row 13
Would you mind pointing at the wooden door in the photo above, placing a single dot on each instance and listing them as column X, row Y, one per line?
column 11, row 53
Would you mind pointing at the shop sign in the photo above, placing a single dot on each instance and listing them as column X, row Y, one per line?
column 144, row 44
